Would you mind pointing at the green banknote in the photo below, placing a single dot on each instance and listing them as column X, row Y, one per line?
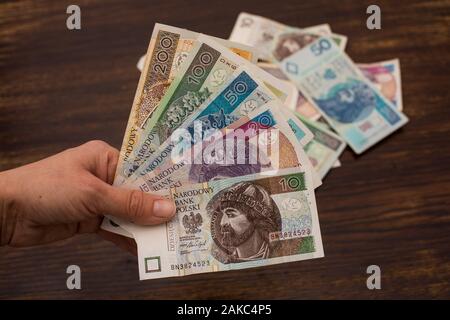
column 249, row 221
column 324, row 149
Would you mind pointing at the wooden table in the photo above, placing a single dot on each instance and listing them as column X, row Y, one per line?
column 389, row 206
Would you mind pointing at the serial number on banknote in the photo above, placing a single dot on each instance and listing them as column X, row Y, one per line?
column 190, row 265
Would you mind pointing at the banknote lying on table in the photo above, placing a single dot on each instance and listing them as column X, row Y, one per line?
column 240, row 133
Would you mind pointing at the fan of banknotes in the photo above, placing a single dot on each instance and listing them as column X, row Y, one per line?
column 239, row 133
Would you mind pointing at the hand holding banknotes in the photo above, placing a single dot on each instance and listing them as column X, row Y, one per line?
column 68, row 194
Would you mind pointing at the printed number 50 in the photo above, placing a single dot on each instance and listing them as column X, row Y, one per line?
column 320, row 47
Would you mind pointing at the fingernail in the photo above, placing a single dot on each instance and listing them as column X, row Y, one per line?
column 164, row 208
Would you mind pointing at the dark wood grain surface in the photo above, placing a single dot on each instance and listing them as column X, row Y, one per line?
column 389, row 206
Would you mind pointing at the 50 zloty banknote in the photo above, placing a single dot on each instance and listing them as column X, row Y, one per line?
column 348, row 101
column 385, row 75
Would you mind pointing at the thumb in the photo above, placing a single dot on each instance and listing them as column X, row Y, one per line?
column 135, row 206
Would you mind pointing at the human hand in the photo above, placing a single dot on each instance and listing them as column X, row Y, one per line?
column 68, row 194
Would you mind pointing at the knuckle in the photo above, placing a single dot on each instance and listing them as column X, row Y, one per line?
column 112, row 156
column 96, row 145
column 91, row 194
column 92, row 188
column 135, row 206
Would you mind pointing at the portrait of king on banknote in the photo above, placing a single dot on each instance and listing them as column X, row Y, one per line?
column 243, row 217
column 246, row 225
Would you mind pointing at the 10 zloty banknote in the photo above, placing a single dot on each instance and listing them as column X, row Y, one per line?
column 234, row 223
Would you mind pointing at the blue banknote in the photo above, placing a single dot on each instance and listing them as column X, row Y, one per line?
column 350, row 103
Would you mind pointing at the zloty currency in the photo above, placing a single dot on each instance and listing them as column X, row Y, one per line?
column 301, row 105
column 111, row 226
column 205, row 70
column 244, row 51
column 179, row 173
column 325, row 147
column 240, row 96
column 276, row 41
column 194, row 164
column 348, row 101
column 292, row 94
column 234, row 223
column 185, row 95
column 385, row 75
column 217, row 110
column 168, row 48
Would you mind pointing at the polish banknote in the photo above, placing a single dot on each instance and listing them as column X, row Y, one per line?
column 325, row 147
column 258, row 142
column 168, row 48
column 208, row 66
column 386, row 77
column 276, row 41
column 301, row 104
column 347, row 100
column 235, row 223
column 243, row 94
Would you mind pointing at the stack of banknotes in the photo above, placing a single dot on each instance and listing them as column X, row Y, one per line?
column 240, row 133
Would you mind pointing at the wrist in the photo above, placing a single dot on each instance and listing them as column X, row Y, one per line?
column 7, row 211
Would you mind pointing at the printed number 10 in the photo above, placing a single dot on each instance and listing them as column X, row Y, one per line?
column 290, row 184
